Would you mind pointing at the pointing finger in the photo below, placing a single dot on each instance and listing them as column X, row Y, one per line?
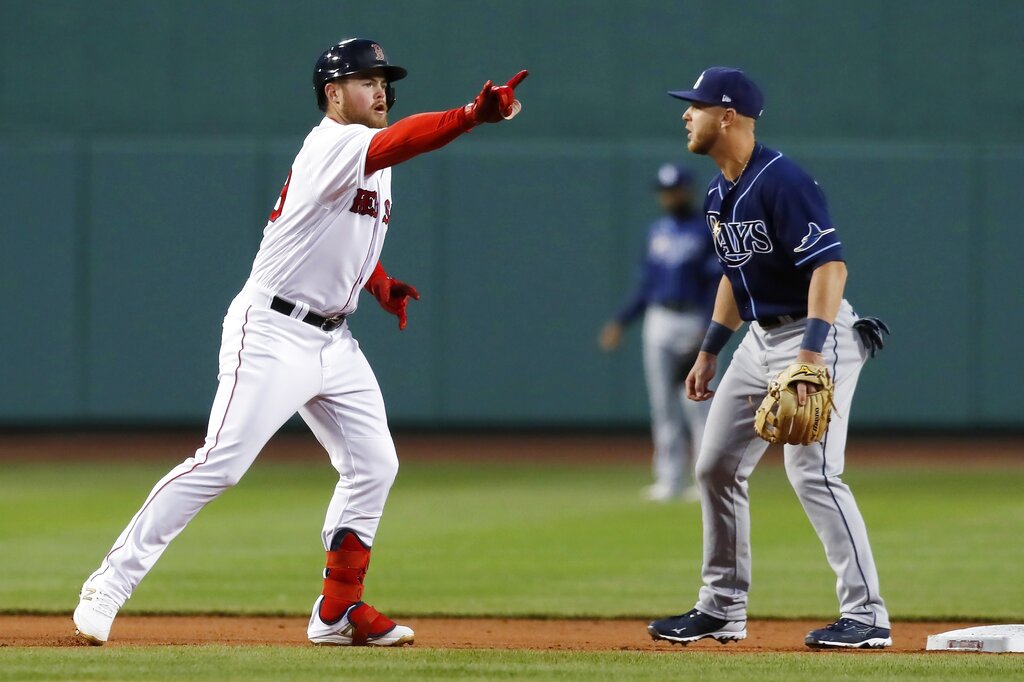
column 518, row 78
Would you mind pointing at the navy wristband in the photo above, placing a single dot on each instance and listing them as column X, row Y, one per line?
column 715, row 339
column 815, row 334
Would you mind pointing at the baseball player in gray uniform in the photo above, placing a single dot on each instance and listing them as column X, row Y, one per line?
column 287, row 347
column 784, row 275
column 674, row 293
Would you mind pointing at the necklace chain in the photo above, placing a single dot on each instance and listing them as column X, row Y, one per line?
column 740, row 175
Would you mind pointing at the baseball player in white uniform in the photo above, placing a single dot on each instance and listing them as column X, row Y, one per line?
column 286, row 345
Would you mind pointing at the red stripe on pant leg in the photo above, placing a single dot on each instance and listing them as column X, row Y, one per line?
column 216, row 439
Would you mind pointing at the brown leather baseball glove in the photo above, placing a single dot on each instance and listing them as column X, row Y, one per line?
column 780, row 419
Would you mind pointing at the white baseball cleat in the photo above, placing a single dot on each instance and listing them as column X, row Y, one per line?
column 94, row 616
column 355, row 628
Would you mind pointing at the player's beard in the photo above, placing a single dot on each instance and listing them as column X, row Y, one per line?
column 375, row 120
column 701, row 144
column 368, row 117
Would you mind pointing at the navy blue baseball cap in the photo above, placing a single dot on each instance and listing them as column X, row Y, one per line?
column 725, row 87
column 671, row 175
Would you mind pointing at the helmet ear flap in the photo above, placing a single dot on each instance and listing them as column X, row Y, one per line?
column 389, row 96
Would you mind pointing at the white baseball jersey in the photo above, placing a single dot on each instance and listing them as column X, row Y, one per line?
column 327, row 230
column 320, row 246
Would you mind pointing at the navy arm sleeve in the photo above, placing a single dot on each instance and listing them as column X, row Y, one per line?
column 637, row 303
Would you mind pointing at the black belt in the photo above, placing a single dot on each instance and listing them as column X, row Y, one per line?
column 773, row 321
column 326, row 323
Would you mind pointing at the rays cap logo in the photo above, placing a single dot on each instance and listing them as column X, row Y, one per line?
column 725, row 86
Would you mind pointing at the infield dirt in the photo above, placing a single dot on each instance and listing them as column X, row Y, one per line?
column 439, row 633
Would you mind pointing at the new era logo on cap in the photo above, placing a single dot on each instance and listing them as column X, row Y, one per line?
column 723, row 85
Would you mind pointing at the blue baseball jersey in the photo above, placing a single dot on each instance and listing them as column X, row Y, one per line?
column 771, row 230
column 679, row 270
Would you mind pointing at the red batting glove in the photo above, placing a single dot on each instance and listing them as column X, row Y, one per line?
column 392, row 294
column 496, row 103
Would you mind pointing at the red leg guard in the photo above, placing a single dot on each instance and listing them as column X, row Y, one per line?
column 346, row 568
column 369, row 623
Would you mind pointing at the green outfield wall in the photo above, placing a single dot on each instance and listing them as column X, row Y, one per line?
column 142, row 145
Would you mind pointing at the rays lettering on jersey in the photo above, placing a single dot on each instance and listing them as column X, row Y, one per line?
column 736, row 243
column 366, row 202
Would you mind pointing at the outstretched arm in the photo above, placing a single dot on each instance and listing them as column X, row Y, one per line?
column 421, row 133
column 415, row 135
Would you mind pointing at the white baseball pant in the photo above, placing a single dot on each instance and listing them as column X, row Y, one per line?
column 271, row 365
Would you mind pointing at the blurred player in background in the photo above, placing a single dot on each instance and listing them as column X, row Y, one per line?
column 675, row 293
column 287, row 346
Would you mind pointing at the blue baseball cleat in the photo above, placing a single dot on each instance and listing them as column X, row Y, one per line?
column 847, row 633
column 694, row 625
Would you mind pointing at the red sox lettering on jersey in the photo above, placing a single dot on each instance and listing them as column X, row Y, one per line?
column 365, row 203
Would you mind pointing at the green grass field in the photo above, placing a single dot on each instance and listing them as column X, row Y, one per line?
column 510, row 539
column 280, row 663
